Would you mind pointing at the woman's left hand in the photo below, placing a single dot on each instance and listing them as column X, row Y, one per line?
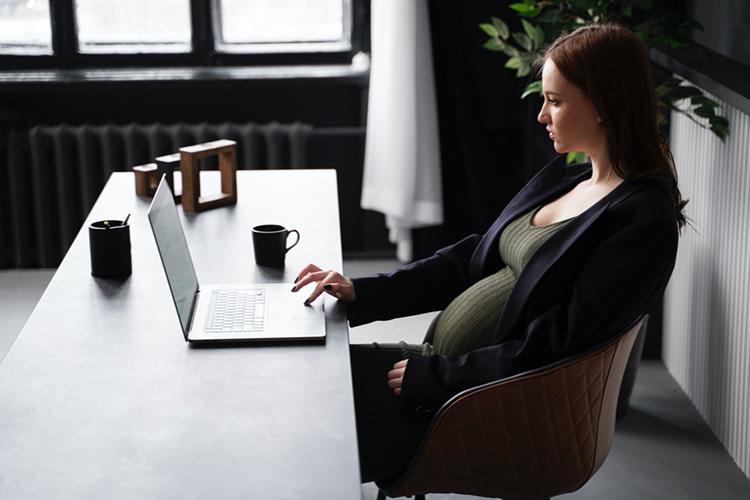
column 396, row 376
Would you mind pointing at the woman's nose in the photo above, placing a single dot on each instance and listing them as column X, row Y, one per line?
column 542, row 117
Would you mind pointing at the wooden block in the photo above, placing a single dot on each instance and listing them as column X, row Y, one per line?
column 146, row 179
column 191, row 184
column 167, row 165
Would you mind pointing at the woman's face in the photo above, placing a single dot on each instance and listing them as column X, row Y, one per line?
column 571, row 119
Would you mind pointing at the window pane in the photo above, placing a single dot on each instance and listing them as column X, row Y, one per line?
column 25, row 27
column 133, row 26
column 281, row 21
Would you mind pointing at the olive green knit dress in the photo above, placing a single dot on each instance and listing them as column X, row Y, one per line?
column 468, row 323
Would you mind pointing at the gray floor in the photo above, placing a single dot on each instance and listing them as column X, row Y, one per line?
column 662, row 448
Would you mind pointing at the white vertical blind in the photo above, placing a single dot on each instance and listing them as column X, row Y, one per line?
column 707, row 306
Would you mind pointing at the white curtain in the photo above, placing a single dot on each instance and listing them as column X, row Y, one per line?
column 402, row 153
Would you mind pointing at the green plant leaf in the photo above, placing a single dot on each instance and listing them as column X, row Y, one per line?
column 538, row 37
column 720, row 130
column 523, row 40
column 531, row 13
column 704, row 111
column 511, row 51
column 494, row 44
column 701, row 99
column 489, row 29
column 720, row 120
column 692, row 25
column 501, row 28
column 520, row 7
column 524, row 70
column 528, row 28
column 513, row 63
column 552, row 17
column 575, row 157
column 532, row 88
column 682, row 92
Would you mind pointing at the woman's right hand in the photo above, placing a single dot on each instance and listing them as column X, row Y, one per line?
column 330, row 282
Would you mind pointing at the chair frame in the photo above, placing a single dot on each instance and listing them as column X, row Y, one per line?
column 526, row 462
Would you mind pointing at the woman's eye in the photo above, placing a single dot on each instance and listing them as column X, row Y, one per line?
column 551, row 101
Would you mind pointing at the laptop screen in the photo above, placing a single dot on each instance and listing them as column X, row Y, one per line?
column 173, row 248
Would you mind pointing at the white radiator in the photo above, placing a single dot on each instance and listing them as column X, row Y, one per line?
column 707, row 307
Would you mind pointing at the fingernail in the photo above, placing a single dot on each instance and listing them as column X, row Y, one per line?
column 307, row 302
column 294, row 287
column 328, row 287
column 296, row 279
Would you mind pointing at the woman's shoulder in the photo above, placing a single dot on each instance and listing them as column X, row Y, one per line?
column 643, row 202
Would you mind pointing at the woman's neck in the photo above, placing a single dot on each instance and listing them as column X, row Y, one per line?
column 602, row 173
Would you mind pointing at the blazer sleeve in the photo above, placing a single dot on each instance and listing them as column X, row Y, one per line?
column 620, row 279
column 423, row 286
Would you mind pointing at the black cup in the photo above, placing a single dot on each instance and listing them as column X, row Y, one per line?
column 269, row 242
column 109, row 242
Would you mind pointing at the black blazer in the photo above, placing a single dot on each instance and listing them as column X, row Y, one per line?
column 587, row 282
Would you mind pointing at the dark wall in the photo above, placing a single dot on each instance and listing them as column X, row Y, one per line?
column 725, row 23
column 323, row 104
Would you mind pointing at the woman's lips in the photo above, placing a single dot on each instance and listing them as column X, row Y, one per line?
column 551, row 134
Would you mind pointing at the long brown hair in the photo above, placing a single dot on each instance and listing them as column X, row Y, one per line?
column 610, row 64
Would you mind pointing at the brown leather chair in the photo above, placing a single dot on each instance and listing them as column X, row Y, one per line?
column 530, row 436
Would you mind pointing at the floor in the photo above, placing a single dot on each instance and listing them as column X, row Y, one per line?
column 662, row 448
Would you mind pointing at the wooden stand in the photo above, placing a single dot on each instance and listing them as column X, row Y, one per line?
column 146, row 179
column 191, row 184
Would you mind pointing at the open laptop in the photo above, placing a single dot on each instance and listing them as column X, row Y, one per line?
column 236, row 313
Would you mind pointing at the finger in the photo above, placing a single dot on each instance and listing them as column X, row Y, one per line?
column 326, row 284
column 396, row 373
column 315, row 294
column 342, row 290
column 312, row 277
column 310, row 268
column 401, row 364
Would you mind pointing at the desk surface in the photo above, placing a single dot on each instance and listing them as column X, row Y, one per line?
column 101, row 397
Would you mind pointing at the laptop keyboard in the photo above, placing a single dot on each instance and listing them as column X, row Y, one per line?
column 236, row 311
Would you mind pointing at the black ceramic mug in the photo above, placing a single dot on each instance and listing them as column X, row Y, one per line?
column 269, row 242
column 109, row 243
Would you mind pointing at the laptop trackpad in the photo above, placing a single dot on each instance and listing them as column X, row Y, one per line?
column 283, row 309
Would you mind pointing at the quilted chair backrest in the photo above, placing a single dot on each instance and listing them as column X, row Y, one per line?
column 528, row 437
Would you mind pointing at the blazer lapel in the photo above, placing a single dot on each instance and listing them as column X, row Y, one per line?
column 550, row 183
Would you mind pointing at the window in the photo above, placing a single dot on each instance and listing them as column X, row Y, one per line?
column 25, row 27
column 96, row 33
column 133, row 26
column 260, row 25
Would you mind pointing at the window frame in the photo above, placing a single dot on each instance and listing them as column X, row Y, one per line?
column 203, row 54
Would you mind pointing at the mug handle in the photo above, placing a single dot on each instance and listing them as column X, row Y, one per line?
column 295, row 243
